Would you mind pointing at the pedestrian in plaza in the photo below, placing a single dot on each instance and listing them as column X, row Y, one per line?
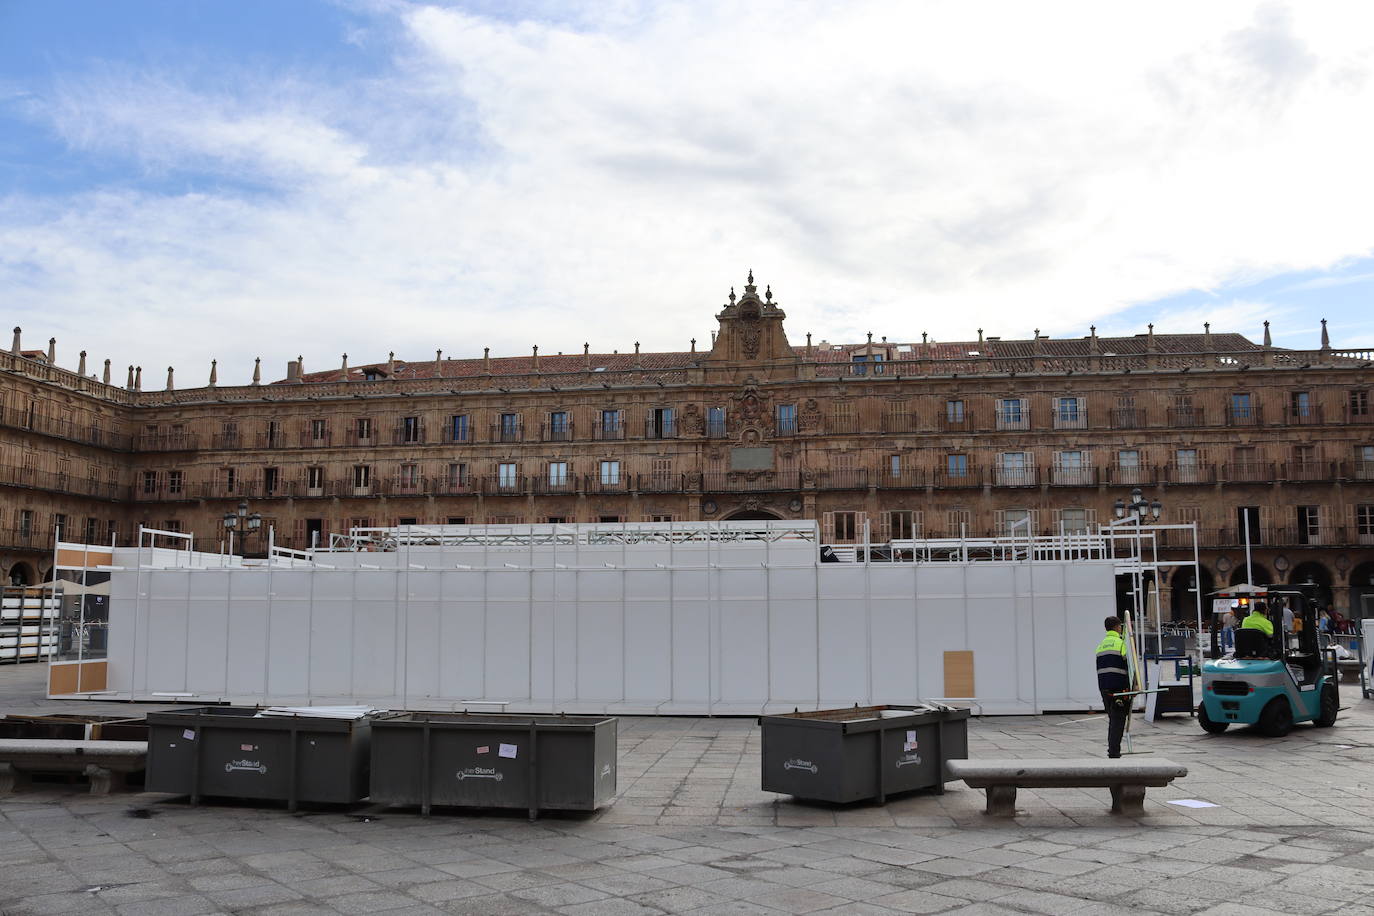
column 1287, row 626
column 1112, row 680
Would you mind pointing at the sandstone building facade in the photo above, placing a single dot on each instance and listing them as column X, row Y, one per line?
column 900, row 439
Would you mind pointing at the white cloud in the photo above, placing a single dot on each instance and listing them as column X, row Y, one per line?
column 900, row 168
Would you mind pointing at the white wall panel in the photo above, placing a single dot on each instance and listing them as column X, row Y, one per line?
column 724, row 627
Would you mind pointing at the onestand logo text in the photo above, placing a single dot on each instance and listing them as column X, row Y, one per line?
column 480, row 773
column 245, row 766
column 908, row 759
column 798, row 764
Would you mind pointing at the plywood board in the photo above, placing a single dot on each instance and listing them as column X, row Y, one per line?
column 959, row 674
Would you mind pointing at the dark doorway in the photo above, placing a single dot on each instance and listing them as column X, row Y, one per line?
column 1316, row 575
column 1257, row 575
column 1183, row 596
column 1362, row 591
column 314, row 532
column 753, row 515
column 21, row 574
column 1248, row 525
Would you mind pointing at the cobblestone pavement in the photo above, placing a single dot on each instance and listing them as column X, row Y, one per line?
column 1293, row 832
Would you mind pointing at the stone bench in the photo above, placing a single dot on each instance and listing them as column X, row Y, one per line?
column 104, row 763
column 1126, row 777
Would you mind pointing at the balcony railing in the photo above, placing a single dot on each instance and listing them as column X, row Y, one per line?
column 660, row 429
column 716, row 430
column 460, row 434
column 845, row 479
column 61, row 482
column 356, row 438
column 556, row 432
column 1355, row 414
column 453, row 485
column 168, row 442
column 1248, row 472
column 88, row 433
column 1357, row 470
column 272, row 439
column 596, row 483
column 1189, row 473
column 1308, row 470
column 228, row 441
column 1185, row 417
column 961, row 422
column 1310, row 415
column 555, row 485
column 899, row 423
column 408, row 435
column 316, row 438
column 904, row 479
column 32, row 538
column 505, row 485
column 786, row 426
column 1077, row 419
column 1071, row 475
column 970, row 476
column 661, row 482
column 1244, row 416
column 603, row 430
column 1130, row 474
column 506, row 432
column 1013, row 476
column 1127, row 417
column 1013, row 419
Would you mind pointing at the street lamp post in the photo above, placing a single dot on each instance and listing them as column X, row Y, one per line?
column 240, row 522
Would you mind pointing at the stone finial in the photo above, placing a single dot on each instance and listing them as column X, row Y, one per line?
column 732, row 295
column 257, row 370
column 1207, row 335
column 638, row 362
column 870, row 338
column 925, row 338
column 1326, row 337
column 536, row 357
column 138, row 378
column 106, row 377
column 586, row 355
column 486, row 359
column 1149, row 336
column 343, row 367
column 808, row 343
column 214, row 372
column 768, row 293
column 52, row 351
column 169, row 378
column 130, row 383
column 16, row 348
column 980, row 335
column 694, row 345
column 81, row 366
column 391, row 364
column 1268, row 338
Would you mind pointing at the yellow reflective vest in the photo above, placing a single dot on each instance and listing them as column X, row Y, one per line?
column 1257, row 621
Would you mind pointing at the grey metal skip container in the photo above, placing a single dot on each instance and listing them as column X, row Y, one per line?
column 232, row 752
column 869, row 752
column 538, row 762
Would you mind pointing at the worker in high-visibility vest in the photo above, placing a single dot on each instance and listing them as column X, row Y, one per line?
column 1257, row 620
column 1112, row 679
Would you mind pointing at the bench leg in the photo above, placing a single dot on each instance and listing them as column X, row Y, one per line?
column 1128, row 800
column 1001, row 801
column 103, row 780
column 11, row 778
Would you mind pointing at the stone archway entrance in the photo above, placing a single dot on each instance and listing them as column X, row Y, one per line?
column 1183, row 597
column 1362, row 591
column 753, row 515
column 1257, row 575
column 21, row 574
column 1317, row 577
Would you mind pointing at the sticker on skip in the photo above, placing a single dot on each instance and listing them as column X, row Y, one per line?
column 507, row 750
column 189, row 735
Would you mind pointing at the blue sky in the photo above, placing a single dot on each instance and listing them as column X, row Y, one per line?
column 184, row 180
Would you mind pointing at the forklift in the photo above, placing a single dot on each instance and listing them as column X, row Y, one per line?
column 1263, row 682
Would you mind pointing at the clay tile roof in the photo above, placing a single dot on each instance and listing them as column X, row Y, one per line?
column 509, row 365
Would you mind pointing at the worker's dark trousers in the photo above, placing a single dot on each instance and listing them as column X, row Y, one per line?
column 1118, row 708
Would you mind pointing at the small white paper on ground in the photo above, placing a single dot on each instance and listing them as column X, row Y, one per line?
column 1192, row 803
column 508, row 750
column 1345, row 747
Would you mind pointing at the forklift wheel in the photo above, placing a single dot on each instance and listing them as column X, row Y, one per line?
column 1330, row 706
column 1277, row 718
column 1210, row 727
